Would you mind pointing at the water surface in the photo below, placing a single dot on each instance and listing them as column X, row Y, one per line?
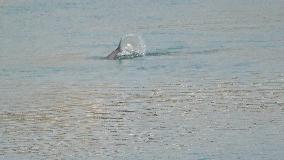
column 211, row 87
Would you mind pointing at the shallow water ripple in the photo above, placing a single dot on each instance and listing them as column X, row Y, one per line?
column 123, row 122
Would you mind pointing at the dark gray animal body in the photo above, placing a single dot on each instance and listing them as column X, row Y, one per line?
column 114, row 54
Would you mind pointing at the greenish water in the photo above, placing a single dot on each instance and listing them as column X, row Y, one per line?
column 210, row 87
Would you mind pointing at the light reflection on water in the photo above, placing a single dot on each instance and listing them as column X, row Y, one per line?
column 211, row 85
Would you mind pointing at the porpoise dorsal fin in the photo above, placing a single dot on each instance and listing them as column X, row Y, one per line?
column 113, row 54
column 119, row 45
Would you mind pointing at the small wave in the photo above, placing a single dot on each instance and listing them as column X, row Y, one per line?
column 210, row 51
column 168, row 51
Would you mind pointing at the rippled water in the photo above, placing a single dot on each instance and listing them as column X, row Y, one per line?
column 210, row 87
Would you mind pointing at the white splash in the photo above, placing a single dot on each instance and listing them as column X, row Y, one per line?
column 132, row 46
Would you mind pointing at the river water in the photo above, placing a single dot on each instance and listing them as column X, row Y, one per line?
column 210, row 87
